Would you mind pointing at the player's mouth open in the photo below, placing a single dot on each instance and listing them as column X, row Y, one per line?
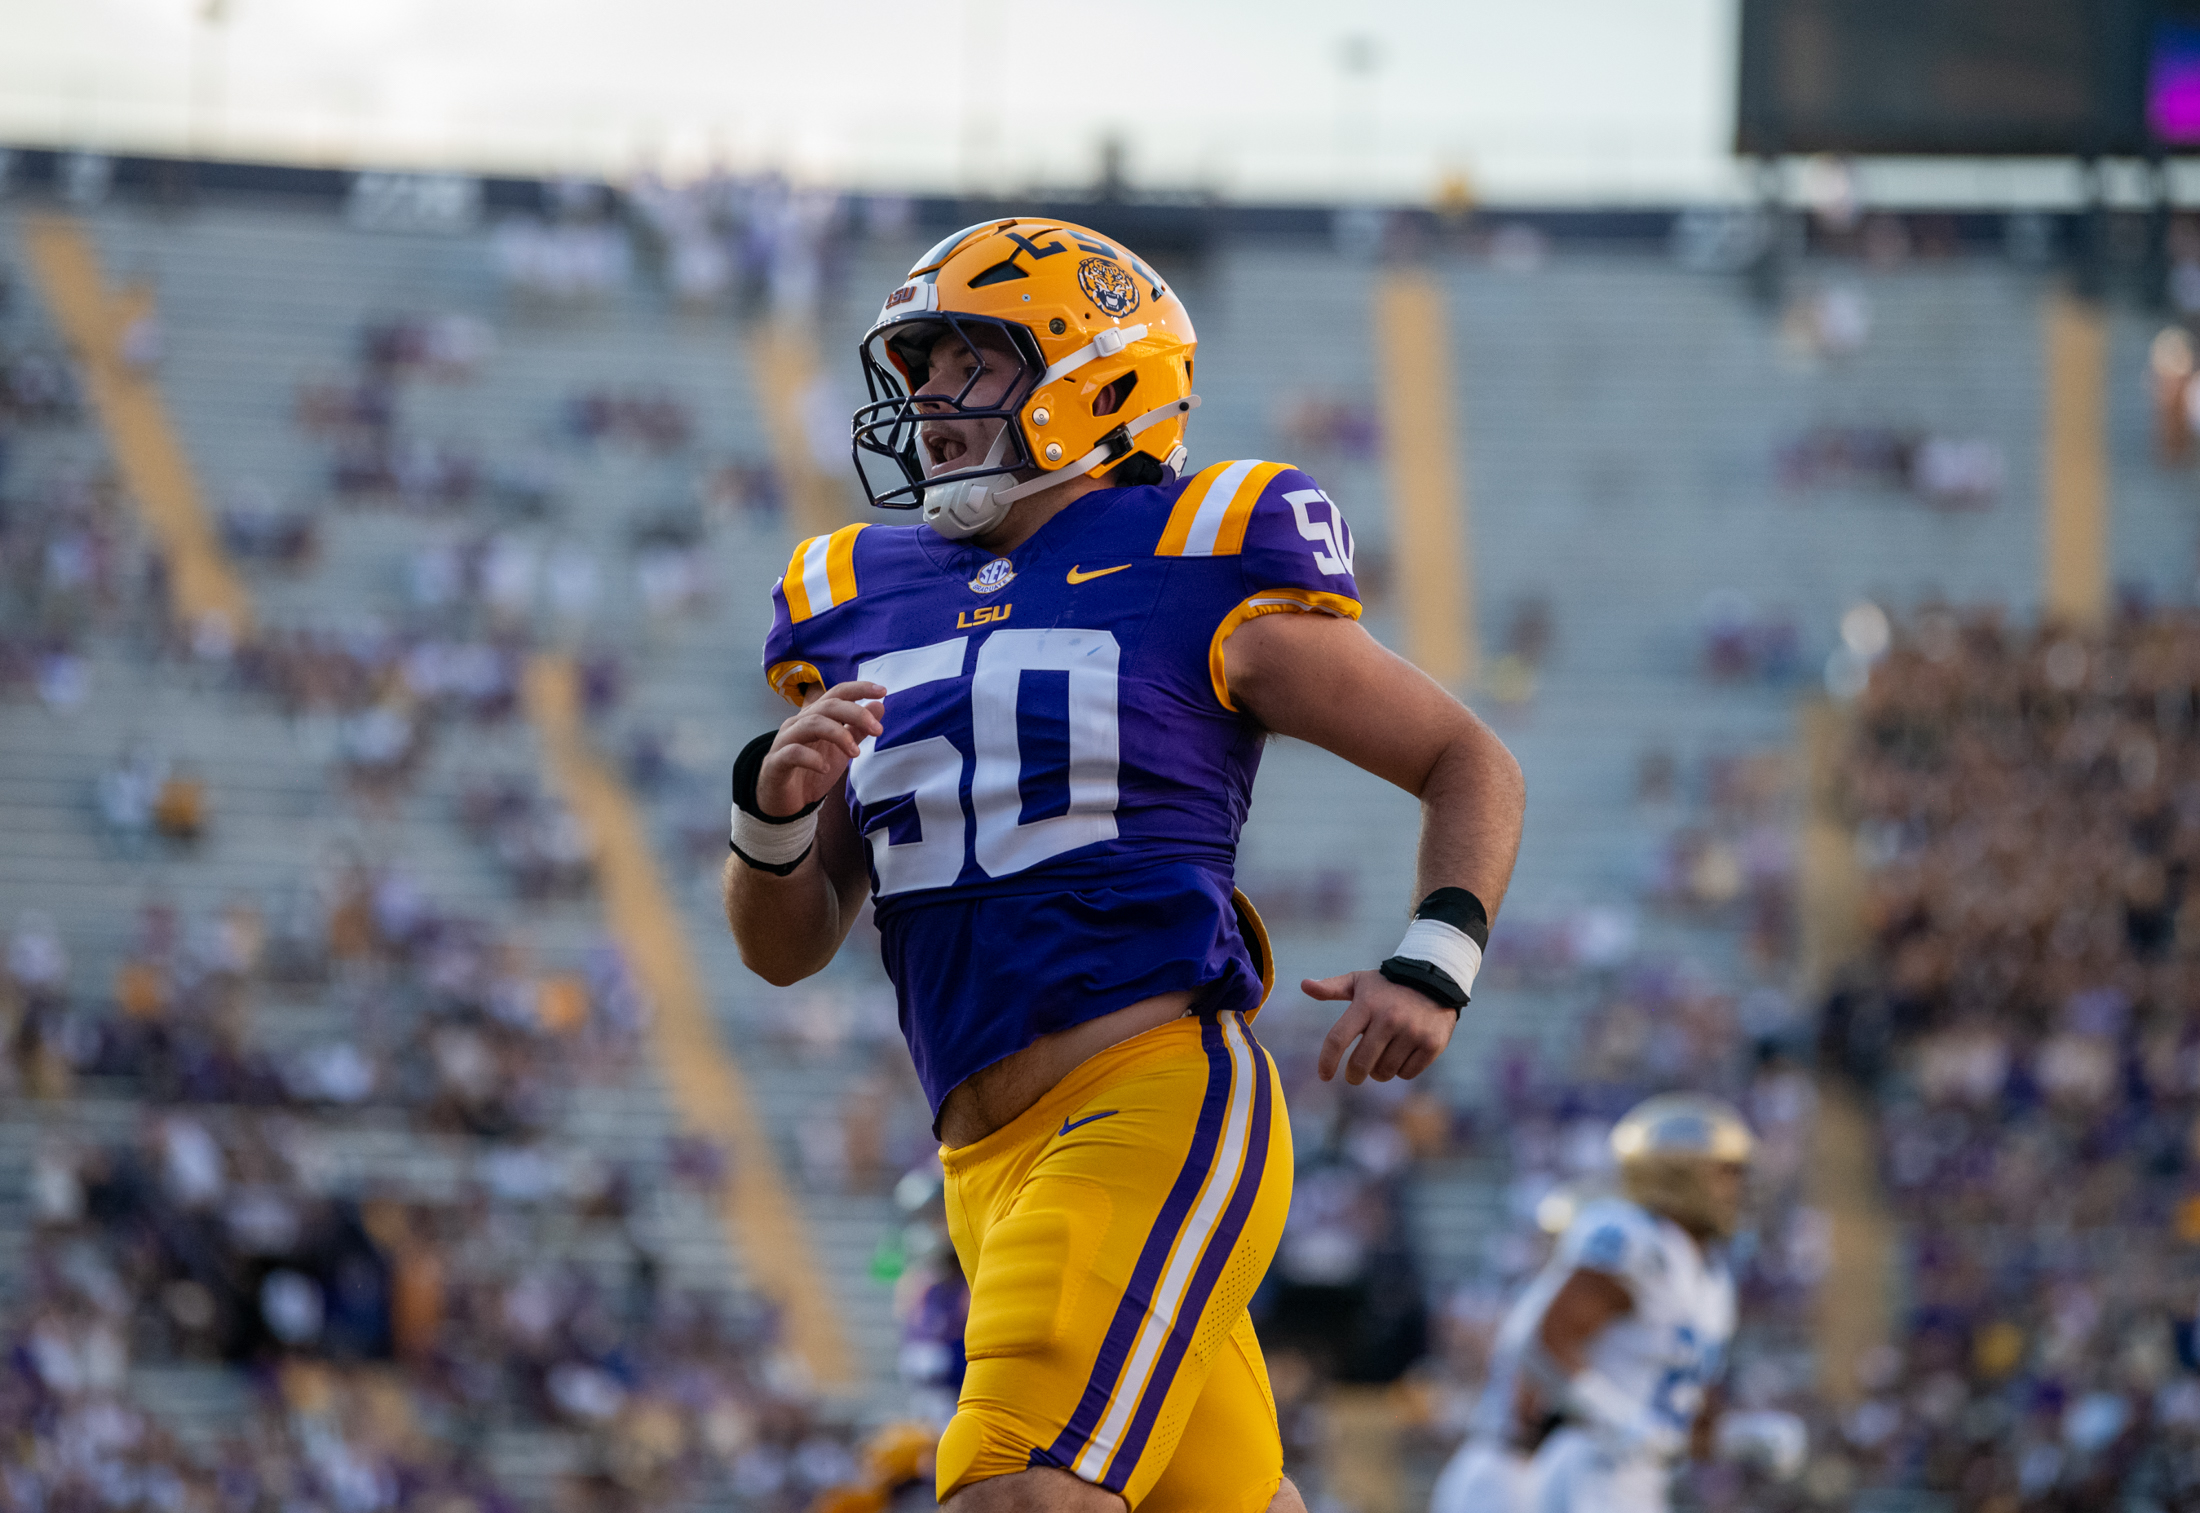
column 944, row 448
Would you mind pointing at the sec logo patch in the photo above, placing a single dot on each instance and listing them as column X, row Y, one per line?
column 994, row 575
column 1108, row 285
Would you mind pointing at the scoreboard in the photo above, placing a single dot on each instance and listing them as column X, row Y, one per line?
column 1969, row 78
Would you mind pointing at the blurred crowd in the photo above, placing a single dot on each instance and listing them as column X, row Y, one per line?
column 358, row 1211
column 1744, row 641
column 2029, row 802
column 69, row 567
column 380, row 1221
column 764, row 244
column 321, row 1140
column 1947, row 472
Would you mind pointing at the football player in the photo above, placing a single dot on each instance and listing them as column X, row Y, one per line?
column 1028, row 728
column 1605, row 1371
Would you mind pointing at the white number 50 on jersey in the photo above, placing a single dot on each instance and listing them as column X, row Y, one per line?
column 1332, row 541
column 930, row 771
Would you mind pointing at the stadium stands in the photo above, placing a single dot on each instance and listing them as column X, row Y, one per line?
column 2023, row 1016
column 365, row 959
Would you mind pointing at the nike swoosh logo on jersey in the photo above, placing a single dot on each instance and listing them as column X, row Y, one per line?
column 1099, row 572
column 1070, row 1124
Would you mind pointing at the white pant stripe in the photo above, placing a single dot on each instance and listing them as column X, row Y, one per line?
column 1221, row 1179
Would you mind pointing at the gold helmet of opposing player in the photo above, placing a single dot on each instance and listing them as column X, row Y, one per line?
column 1675, row 1154
column 1106, row 352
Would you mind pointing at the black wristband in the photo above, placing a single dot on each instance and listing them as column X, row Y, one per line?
column 1459, row 909
column 1462, row 911
column 747, row 768
column 776, row 869
column 1431, row 982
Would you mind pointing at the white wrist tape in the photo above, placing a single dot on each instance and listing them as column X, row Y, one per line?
column 774, row 845
column 1445, row 947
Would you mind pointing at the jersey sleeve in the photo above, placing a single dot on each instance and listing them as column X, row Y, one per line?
column 785, row 668
column 1296, row 541
column 1294, row 553
column 819, row 576
column 1617, row 1239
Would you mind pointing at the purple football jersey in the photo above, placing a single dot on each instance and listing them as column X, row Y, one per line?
column 1052, row 813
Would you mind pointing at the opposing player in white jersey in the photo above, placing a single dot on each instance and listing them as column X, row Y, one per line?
column 1604, row 1373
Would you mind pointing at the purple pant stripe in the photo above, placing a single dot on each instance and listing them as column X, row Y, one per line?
column 1216, row 1256
column 1130, row 1312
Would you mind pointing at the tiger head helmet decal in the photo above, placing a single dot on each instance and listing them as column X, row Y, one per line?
column 1109, row 285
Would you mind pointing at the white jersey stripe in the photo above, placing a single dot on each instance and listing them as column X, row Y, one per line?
column 1264, row 601
column 1207, row 524
column 1221, row 1180
column 817, row 583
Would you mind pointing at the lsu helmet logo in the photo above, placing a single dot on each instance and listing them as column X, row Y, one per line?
column 916, row 295
column 994, row 575
column 1108, row 285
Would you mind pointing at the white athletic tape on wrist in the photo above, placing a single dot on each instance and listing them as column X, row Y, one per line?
column 1446, row 947
column 775, row 845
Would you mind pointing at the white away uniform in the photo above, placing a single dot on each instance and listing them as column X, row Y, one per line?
column 1661, row 1357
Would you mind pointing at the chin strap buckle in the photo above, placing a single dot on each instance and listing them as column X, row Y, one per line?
column 972, row 506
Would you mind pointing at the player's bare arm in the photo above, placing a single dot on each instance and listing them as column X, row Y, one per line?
column 1703, row 1435
column 1327, row 681
column 789, row 926
column 1587, row 1303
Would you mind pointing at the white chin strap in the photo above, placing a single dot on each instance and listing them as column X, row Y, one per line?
column 972, row 506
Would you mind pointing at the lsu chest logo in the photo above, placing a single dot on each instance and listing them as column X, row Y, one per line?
column 982, row 614
column 993, row 576
column 1108, row 285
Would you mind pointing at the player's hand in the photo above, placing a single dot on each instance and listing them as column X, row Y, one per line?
column 813, row 748
column 1399, row 1030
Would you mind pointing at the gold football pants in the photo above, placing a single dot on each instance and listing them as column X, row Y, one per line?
column 1113, row 1234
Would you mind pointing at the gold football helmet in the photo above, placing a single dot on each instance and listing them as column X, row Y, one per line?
column 1671, row 1150
column 1106, row 351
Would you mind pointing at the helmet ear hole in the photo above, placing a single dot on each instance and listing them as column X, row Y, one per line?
column 1110, row 399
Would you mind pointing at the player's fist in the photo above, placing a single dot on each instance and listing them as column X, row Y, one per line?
column 1399, row 1031
column 813, row 748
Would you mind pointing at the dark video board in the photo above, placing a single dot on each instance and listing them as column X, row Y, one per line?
column 1969, row 77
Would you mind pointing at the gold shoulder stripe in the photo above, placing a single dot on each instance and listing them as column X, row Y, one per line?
column 821, row 575
column 1230, row 534
column 1211, row 514
column 1187, row 510
column 791, row 581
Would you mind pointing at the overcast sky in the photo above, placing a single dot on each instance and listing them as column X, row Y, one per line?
column 1542, row 99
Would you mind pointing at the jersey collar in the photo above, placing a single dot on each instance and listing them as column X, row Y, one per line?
column 961, row 560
